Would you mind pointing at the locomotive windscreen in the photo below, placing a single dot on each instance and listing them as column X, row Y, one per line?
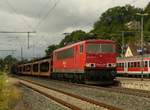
column 100, row 48
column 107, row 48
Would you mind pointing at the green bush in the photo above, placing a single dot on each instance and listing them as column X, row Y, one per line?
column 9, row 94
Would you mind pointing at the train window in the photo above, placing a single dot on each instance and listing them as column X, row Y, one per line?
column 132, row 64
column 122, row 64
column 107, row 48
column 135, row 64
column 145, row 64
column 81, row 48
column 119, row 64
column 138, row 64
column 35, row 67
column 149, row 63
column 44, row 67
column 65, row 54
column 128, row 64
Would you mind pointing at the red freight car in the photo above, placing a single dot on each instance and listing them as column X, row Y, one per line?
column 86, row 61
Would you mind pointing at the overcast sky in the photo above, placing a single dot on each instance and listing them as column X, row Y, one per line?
column 50, row 19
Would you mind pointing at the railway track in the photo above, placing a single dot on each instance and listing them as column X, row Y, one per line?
column 72, row 101
column 134, row 92
column 132, row 79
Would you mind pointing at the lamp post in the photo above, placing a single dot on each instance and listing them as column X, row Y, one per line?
column 142, row 62
column 122, row 47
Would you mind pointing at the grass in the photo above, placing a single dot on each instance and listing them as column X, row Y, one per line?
column 9, row 94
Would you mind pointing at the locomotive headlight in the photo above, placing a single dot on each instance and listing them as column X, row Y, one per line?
column 87, row 64
column 90, row 65
column 111, row 65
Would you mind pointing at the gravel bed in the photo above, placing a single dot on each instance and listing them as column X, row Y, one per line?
column 84, row 105
column 123, row 101
column 36, row 101
column 21, row 106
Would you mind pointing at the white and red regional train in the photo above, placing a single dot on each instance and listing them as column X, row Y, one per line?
column 132, row 66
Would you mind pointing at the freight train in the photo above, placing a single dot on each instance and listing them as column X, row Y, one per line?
column 134, row 66
column 88, row 61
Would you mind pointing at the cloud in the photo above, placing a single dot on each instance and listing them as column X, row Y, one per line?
column 67, row 16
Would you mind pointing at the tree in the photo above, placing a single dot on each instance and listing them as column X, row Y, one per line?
column 147, row 19
column 113, row 22
column 7, row 62
column 75, row 36
column 2, row 64
column 114, row 19
column 50, row 49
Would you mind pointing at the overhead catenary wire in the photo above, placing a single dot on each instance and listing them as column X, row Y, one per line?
column 42, row 9
column 15, row 12
column 49, row 12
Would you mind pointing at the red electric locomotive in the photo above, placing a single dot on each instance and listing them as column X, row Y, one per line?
column 86, row 61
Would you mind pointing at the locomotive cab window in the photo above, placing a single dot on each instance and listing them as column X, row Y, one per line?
column 68, row 53
column 81, row 48
column 107, row 48
column 93, row 48
column 98, row 48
